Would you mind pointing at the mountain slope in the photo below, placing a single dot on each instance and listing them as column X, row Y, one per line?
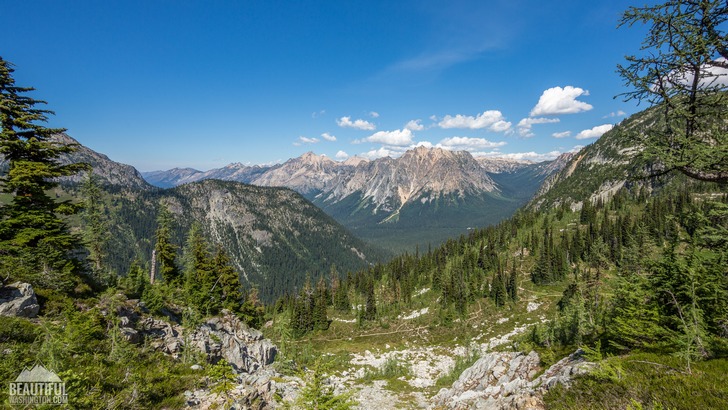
column 274, row 236
column 600, row 169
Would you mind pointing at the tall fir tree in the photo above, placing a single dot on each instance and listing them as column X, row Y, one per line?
column 228, row 281
column 96, row 232
column 199, row 275
column 166, row 250
column 320, row 319
column 34, row 240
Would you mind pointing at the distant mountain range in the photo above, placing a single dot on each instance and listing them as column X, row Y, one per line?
column 423, row 197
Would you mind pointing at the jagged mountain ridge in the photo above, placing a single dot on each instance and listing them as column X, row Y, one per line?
column 424, row 196
column 420, row 174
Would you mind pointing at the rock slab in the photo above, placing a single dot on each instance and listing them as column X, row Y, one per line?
column 18, row 299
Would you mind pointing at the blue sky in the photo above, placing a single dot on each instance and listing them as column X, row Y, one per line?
column 162, row 84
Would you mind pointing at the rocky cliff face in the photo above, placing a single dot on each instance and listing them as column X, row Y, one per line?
column 308, row 174
column 422, row 174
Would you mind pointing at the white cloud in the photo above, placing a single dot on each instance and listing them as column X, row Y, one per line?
column 346, row 122
column 613, row 114
column 468, row 144
column 307, row 140
column 530, row 156
column 524, row 126
column 595, row 132
column 397, row 137
column 415, row 125
column 491, row 119
column 712, row 75
column 328, row 137
column 374, row 114
column 563, row 134
column 559, row 100
column 318, row 113
column 379, row 153
column 342, row 155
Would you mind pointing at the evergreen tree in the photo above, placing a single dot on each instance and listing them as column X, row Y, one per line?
column 96, row 230
column 681, row 69
column 199, row 273
column 513, row 283
column 166, row 250
column 252, row 311
column 35, row 241
column 228, row 282
column 135, row 281
column 498, row 290
column 370, row 310
column 320, row 319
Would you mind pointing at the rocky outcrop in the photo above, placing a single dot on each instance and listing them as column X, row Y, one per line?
column 258, row 391
column 18, row 299
column 221, row 337
column 505, row 380
column 228, row 338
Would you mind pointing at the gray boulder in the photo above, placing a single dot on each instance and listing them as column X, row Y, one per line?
column 227, row 337
column 18, row 299
column 505, row 380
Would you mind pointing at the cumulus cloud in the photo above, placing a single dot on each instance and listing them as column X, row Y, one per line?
column 468, row 144
column 492, row 120
column 374, row 114
column 328, row 137
column 397, row 138
column 524, row 126
column 306, row 140
column 346, row 122
column 341, row 155
column 379, row 153
column 557, row 100
column 595, row 132
column 415, row 125
column 563, row 134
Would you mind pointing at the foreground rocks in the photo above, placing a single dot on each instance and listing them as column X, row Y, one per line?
column 221, row 337
column 227, row 337
column 505, row 380
column 18, row 299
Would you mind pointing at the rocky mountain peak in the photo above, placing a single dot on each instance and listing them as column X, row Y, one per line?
column 433, row 154
column 354, row 161
column 313, row 159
